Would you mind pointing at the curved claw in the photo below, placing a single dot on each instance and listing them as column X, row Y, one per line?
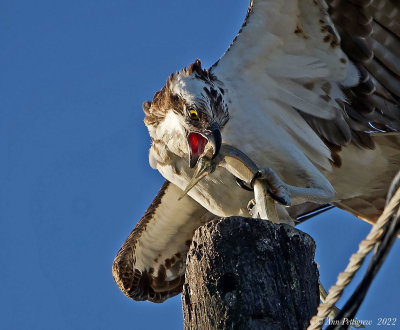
column 279, row 199
column 243, row 185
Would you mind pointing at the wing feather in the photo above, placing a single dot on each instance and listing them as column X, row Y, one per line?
column 151, row 263
column 336, row 63
column 373, row 44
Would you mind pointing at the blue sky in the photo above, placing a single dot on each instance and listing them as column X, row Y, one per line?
column 74, row 172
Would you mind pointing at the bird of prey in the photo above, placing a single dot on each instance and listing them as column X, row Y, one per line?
column 309, row 90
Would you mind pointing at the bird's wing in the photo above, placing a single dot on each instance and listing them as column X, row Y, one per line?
column 370, row 174
column 370, row 36
column 337, row 65
column 151, row 263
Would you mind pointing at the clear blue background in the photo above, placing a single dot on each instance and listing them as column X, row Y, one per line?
column 74, row 175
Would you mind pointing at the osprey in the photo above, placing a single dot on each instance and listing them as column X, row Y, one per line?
column 309, row 91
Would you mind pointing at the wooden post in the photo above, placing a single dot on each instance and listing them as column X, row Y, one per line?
column 250, row 274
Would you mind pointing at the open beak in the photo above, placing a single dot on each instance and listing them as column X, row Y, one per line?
column 198, row 141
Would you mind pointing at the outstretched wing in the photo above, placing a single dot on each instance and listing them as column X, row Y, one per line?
column 336, row 65
column 370, row 36
column 151, row 263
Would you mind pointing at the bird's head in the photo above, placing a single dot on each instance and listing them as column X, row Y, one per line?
column 188, row 113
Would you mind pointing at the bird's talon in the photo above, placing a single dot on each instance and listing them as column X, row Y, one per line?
column 255, row 177
column 243, row 185
column 279, row 199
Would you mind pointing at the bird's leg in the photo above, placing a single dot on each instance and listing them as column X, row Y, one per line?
column 319, row 189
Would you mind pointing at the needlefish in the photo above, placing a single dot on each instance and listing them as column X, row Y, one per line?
column 246, row 173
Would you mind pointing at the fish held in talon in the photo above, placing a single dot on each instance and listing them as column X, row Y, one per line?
column 316, row 115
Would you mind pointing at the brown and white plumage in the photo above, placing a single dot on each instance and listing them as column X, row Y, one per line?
column 309, row 89
column 151, row 263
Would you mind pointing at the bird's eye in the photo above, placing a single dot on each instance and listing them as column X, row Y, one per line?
column 193, row 114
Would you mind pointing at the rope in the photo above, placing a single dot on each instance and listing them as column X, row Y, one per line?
column 373, row 239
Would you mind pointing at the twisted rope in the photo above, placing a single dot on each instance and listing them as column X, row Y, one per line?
column 373, row 239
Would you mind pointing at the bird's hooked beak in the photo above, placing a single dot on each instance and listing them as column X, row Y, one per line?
column 197, row 142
